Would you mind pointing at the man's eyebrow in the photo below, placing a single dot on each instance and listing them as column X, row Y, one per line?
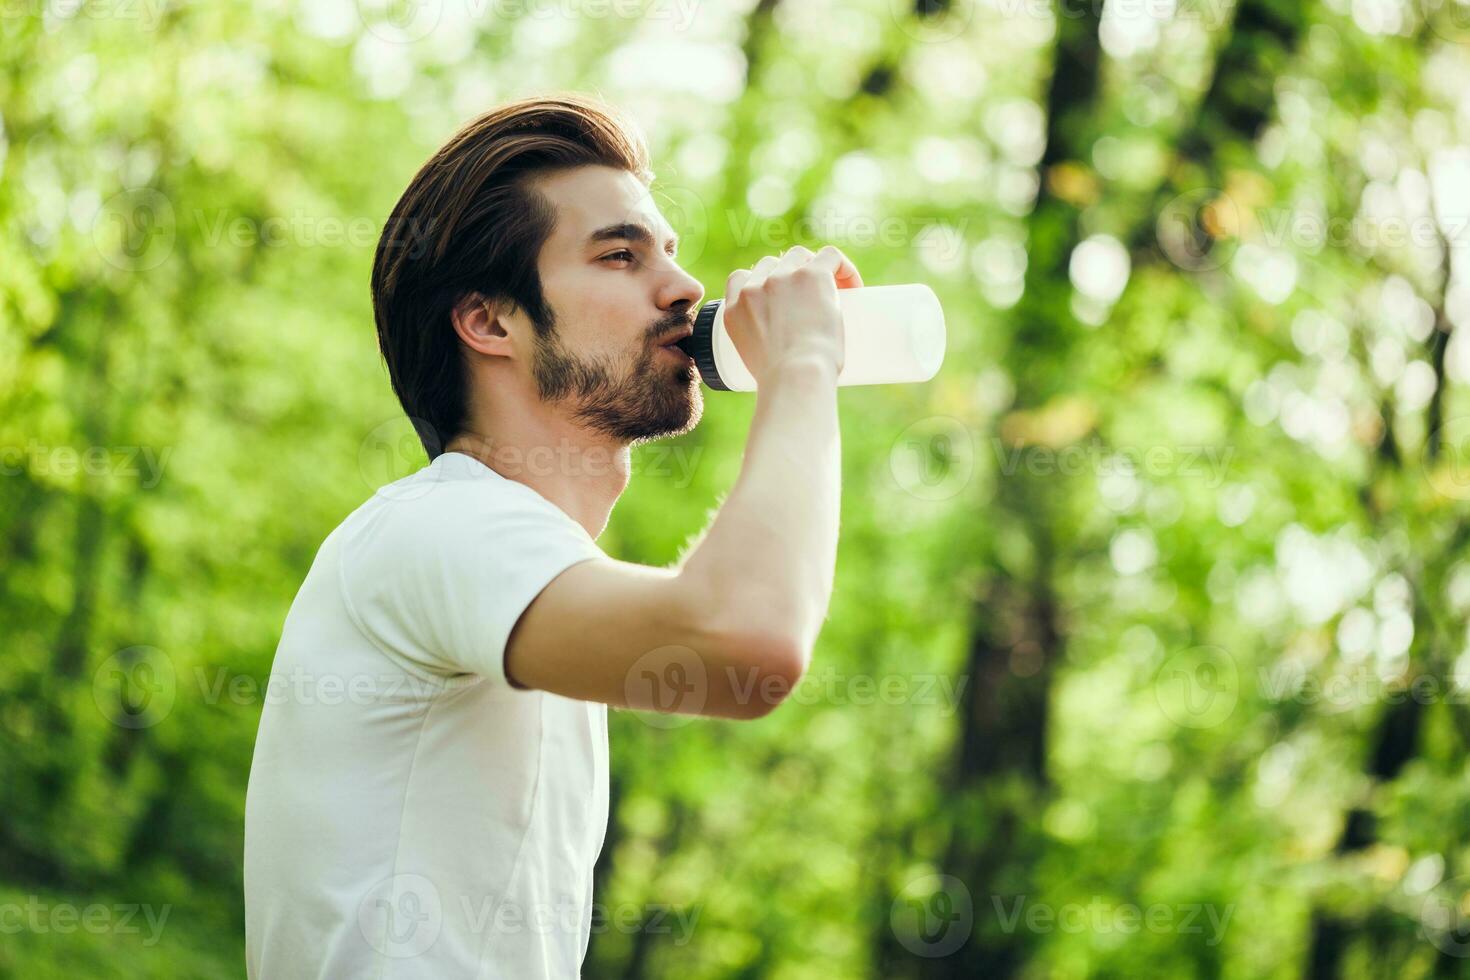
column 629, row 231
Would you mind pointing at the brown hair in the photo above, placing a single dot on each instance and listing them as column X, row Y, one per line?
column 472, row 221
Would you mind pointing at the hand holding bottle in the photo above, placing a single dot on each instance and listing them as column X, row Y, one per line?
column 879, row 335
column 785, row 310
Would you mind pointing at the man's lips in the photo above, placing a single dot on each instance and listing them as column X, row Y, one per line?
column 669, row 340
column 677, row 352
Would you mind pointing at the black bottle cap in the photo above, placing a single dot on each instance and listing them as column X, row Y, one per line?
column 700, row 345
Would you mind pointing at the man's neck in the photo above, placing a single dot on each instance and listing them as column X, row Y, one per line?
column 583, row 473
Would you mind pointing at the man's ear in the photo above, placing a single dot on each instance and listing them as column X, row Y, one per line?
column 481, row 325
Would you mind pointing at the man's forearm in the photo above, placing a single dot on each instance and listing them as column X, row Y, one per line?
column 766, row 562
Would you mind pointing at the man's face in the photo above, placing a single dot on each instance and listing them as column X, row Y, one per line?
column 617, row 295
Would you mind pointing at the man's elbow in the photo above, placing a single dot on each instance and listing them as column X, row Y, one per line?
column 774, row 667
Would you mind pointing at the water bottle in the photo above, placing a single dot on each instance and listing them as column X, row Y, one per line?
column 892, row 334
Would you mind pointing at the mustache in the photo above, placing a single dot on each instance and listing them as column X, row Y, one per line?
column 670, row 322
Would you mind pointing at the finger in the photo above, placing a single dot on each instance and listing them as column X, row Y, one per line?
column 842, row 268
column 734, row 282
column 762, row 269
column 796, row 256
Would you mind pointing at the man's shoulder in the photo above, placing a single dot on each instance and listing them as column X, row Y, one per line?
column 444, row 505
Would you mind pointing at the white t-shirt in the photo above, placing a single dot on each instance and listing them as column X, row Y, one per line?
column 409, row 813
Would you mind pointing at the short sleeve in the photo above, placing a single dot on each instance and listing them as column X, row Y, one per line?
column 442, row 580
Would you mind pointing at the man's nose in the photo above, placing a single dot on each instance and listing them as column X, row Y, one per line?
column 680, row 287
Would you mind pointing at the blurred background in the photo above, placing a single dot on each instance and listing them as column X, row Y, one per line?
column 1148, row 654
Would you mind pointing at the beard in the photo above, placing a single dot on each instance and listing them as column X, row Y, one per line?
column 632, row 399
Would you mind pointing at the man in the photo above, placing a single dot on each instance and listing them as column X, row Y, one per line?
column 430, row 799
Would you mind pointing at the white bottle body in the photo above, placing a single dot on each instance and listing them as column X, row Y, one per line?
column 891, row 334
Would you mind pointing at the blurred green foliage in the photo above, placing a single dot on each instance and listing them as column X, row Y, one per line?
column 1147, row 649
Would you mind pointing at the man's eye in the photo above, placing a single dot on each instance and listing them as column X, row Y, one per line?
column 623, row 256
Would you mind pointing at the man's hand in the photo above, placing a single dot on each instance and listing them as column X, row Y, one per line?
column 786, row 309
